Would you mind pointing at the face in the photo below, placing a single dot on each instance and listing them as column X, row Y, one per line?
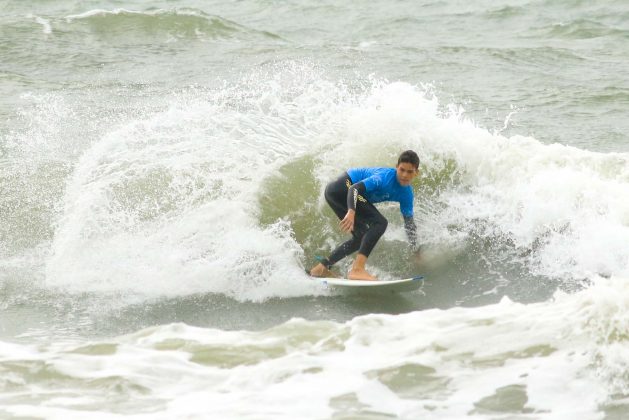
column 406, row 172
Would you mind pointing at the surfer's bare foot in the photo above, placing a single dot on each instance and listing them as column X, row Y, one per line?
column 358, row 271
column 359, row 274
column 321, row 270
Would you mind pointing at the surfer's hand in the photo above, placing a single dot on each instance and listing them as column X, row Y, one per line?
column 347, row 224
column 417, row 256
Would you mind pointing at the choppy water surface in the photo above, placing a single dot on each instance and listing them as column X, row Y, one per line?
column 161, row 177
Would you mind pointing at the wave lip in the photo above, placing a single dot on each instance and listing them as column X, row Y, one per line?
column 45, row 23
column 581, row 29
column 178, row 23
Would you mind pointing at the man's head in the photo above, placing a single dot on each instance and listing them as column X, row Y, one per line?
column 407, row 167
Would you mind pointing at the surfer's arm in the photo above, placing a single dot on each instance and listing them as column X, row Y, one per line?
column 347, row 224
column 352, row 194
column 411, row 231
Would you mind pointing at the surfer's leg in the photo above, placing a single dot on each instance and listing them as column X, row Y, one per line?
column 343, row 250
column 336, row 197
column 368, row 228
column 358, row 270
column 376, row 225
column 322, row 270
column 346, row 248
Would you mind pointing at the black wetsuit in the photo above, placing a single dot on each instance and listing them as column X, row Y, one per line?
column 369, row 223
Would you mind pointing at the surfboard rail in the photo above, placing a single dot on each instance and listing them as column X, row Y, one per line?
column 394, row 286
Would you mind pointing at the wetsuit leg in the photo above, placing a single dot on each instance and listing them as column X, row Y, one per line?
column 373, row 223
column 369, row 224
column 342, row 251
column 336, row 195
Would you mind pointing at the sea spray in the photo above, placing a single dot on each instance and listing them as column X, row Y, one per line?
column 163, row 195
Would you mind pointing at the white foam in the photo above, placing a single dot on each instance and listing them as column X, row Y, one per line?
column 563, row 359
column 123, row 11
column 101, row 12
column 47, row 28
column 174, row 195
column 570, row 206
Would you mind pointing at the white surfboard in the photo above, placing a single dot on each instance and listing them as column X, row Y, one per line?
column 374, row 286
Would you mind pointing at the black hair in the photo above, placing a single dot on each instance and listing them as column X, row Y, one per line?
column 409, row 156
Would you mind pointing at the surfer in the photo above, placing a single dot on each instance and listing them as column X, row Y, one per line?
column 352, row 197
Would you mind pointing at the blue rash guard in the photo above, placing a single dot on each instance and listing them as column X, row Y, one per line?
column 381, row 184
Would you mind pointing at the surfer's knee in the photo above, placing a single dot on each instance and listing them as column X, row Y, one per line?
column 327, row 193
column 381, row 225
column 335, row 193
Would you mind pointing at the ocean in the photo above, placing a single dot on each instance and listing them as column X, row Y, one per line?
column 162, row 167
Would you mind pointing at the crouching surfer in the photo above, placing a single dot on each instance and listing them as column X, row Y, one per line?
column 352, row 197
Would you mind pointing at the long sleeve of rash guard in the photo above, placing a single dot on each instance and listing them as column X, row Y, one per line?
column 411, row 231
